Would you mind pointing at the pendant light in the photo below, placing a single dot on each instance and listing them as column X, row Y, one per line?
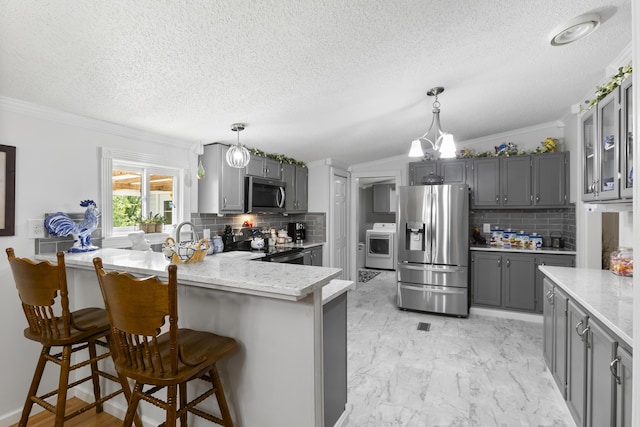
column 439, row 141
column 237, row 155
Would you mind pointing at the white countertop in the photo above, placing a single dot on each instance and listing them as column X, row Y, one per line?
column 233, row 272
column 606, row 296
column 542, row 250
column 335, row 288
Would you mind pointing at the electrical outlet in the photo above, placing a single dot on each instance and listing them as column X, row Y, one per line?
column 35, row 228
column 486, row 228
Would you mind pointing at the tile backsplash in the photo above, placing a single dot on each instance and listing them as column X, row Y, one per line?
column 541, row 221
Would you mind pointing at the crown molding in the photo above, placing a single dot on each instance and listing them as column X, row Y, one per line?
column 70, row 119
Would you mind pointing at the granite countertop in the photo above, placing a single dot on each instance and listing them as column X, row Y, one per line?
column 542, row 250
column 231, row 271
column 609, row 298
column 335, row 288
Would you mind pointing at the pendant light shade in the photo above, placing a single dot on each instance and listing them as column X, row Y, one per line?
column 437, row 139
column 237, row 155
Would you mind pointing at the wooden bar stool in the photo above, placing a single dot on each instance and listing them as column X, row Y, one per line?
column 43, row 291
column 137, row 309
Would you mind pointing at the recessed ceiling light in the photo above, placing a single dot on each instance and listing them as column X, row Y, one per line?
column 574, row 29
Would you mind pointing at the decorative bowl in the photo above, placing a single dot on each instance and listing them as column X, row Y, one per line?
column 185, row 252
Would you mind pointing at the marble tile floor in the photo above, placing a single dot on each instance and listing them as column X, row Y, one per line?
column 479, row 371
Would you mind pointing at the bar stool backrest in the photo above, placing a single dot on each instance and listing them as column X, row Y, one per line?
column 39, row 285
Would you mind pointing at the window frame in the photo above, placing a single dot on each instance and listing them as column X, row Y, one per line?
column 149, row 164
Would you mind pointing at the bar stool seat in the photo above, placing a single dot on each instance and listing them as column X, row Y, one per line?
column 43, row 292
column 138, row 308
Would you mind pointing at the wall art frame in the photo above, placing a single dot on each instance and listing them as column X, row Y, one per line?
column 7, row 190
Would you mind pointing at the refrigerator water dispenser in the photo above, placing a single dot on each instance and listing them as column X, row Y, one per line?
column 414, row 236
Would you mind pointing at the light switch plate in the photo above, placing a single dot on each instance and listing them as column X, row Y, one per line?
column 35, row 228
column 486, row 228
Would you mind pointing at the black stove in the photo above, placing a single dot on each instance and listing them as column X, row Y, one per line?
column 274, row 253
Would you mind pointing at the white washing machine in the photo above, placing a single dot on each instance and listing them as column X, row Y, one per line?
column 380, row 246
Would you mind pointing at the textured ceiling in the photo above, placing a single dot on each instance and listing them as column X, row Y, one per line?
column 310, row 78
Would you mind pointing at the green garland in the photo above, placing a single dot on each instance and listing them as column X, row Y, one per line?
column 602, row 91
column 279, row 157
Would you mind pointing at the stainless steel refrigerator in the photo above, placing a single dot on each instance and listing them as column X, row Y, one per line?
column 433, row 248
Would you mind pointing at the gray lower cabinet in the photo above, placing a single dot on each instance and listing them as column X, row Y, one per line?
column 316, row 256
column 622, row 370
column 222, row 189
column 503, row 280
column 555, row 334
column 576, row 362
column 297, row 180
column 486, row 278
column 552, row 260
column 601, row 349
column 598, row 369
column 334, row 327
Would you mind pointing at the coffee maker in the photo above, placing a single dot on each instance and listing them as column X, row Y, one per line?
column 296, row 231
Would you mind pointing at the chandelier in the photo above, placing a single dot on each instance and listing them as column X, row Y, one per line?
column 439, row 141
column 237, row 155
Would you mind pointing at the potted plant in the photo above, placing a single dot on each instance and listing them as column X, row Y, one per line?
column 148, row 224
column 158, row 222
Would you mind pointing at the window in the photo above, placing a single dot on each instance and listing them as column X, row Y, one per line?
column 138, row 189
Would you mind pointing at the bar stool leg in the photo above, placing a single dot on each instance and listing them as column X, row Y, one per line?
column 33, row 389
column 172, row 403
column 94, row 375
column 182, row 392
column 132, row 405
column 62, row 385
column 222, row 401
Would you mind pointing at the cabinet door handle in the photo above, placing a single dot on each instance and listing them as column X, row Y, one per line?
column 499, row 263
column 497, row 199
column 577, row 330
column 505, row 198
column 508, row 263
column 537, row 198
column 613, row 367
column 224, row 202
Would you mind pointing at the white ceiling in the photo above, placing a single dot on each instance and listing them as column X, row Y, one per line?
column 312, row 79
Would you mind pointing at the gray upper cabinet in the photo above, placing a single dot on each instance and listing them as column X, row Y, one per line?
column 384, row 200
column 297, row 179
column 263, row 167
column 486, row 183
column 550, row 184
column 454, row 171
column 515, row 181
column 419, row 171
column 222, row 189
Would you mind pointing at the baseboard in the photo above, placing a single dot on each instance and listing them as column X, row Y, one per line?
column 506, row 314
column 343, row 421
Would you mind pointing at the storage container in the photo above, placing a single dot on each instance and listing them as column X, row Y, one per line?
column 622, row 262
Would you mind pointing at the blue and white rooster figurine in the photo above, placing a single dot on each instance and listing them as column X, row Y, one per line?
column 59, row 224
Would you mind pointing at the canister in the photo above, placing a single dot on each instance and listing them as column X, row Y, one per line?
column 508, row 238
column 496, row 237
column 522, row 240
column 621, row 262
column 536, row 241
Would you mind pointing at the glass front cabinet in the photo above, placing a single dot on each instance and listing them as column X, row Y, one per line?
column 626, row 150
column 607, row 138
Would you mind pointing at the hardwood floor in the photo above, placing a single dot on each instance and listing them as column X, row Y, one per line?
column 87, row 419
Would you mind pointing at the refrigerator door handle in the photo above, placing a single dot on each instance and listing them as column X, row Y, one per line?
column 438, row 289
column 437, row 268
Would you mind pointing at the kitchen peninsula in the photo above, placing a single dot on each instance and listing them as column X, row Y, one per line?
column 273, row 310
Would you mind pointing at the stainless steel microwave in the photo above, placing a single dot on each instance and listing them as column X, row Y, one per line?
column 263, row 195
